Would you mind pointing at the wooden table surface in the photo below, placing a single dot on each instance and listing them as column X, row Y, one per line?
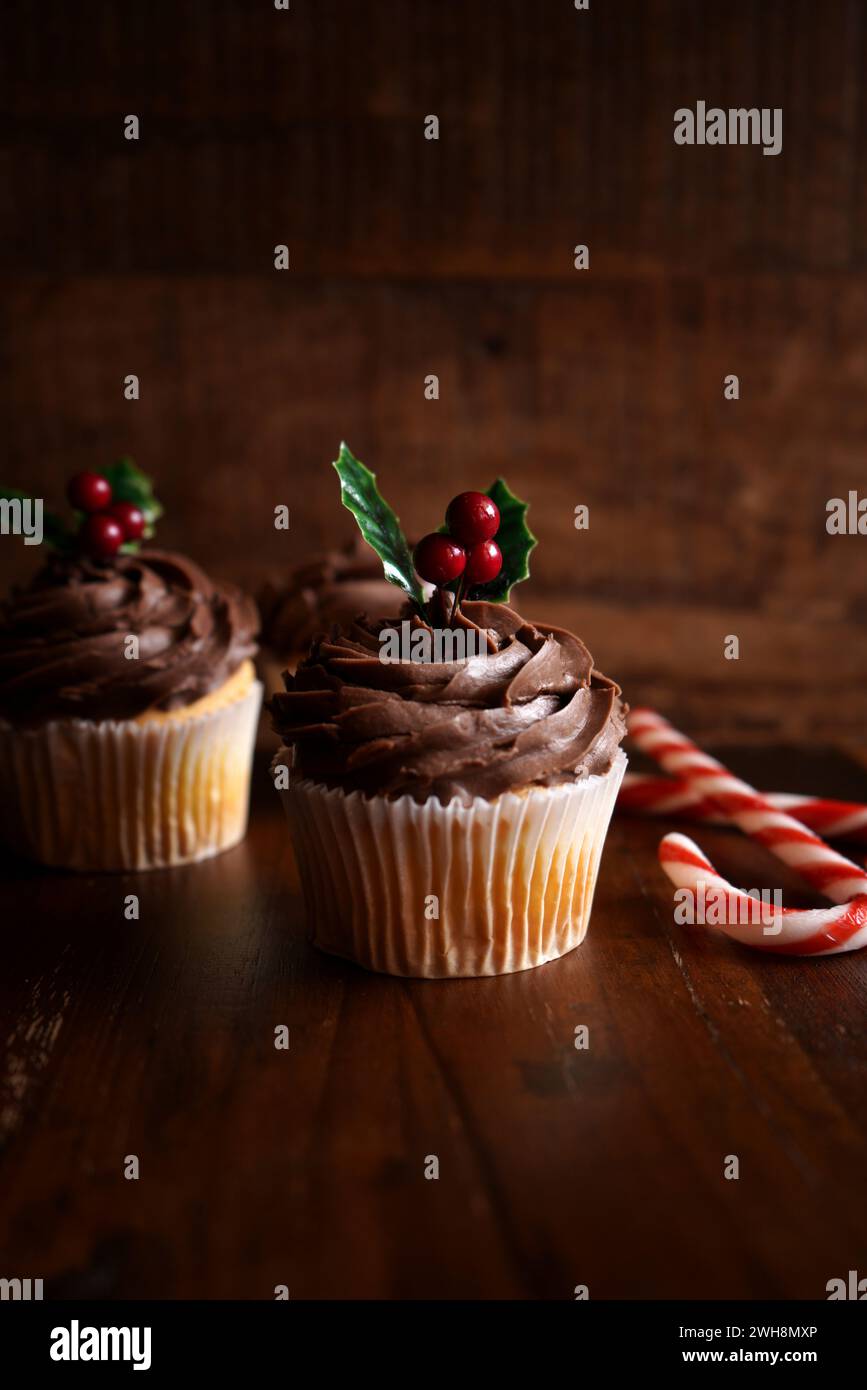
column 305, row 1166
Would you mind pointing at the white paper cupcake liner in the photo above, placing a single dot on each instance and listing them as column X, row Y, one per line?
column 444, row 891
column 121, row 795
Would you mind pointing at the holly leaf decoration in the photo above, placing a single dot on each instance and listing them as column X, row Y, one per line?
column 515, row 540
column 55, row 532
column 377, row 523
column 130, row 484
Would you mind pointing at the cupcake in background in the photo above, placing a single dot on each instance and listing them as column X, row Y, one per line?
column 449, row 773
column 128, row 694
column 326, row 589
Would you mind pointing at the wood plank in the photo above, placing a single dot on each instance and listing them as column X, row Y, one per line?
column 305, row 1167
column 556, row 127
column 706, row 517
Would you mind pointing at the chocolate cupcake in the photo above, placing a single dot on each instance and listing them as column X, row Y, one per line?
column 325, row 589
column 449, row 775
column 128, row 710
column 449, row 817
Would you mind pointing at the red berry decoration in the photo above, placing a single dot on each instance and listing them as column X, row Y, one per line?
column 101, row 536
column 439, row 559
column 484, row 563
column 472, row 517
column 131, row 519
column 89, row 492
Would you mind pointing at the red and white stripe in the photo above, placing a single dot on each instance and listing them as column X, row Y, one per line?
column 825, row 870
column 795, row 931
column 645, row 794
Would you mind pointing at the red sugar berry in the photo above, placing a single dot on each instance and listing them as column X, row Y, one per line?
column 472, row 517
column 439, row 559
column 484, row 563
column 101, row 536
column 131, row 519
column 89, row 492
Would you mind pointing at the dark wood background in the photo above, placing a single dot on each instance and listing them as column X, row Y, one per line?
column 409, row 256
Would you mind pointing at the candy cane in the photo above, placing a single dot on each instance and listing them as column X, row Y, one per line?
column 803, row 933
column 643, row 793
column 794, row 931
column 821, row 867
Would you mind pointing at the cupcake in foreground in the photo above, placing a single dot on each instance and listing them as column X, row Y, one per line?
column 128, row 695
column 448, row 773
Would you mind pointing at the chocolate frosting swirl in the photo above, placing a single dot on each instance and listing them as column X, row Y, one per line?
column 62, row 647
column 331, row 588
column 531, row 711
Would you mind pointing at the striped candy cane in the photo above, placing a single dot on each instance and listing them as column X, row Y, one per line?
column 819, row 932
column 825, row 931
column 645, row 794
column 821, row 867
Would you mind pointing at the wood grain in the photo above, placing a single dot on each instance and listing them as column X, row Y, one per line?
column 307, row 128
column 410, row 257
column 706, row 517
column 557, row 1166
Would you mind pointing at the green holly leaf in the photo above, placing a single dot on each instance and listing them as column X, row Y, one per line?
column 130, row 484
column 55, row 532
column 377, row 522
column 515, row 540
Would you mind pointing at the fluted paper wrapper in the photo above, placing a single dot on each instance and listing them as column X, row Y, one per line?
column 444, row 891
column 121, row 795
